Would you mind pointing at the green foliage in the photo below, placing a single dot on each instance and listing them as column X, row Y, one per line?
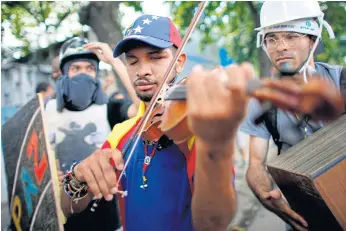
column 137, row 6
column 231, row 25
column 24, row 17
column 335, row 15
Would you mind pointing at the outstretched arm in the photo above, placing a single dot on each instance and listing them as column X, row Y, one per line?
column 214, row 201
column 215, row 108
column 105, row 54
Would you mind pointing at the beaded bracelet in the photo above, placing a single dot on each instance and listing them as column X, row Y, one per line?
column 73, row 188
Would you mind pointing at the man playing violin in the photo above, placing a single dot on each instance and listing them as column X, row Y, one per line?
column 291, row 34
column 168, row 187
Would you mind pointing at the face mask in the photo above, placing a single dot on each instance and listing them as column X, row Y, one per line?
column 79, row 92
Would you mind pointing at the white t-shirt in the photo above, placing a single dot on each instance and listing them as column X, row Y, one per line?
column 74, row 135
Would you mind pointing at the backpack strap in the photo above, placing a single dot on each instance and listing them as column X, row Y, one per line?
column 270, row 121
column 343, row 80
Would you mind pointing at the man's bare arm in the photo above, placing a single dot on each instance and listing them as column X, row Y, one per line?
column 120, row 69
column 214, row 203
column 261, row 184
column 132, row 111
column 257, row 175
column 216, row 106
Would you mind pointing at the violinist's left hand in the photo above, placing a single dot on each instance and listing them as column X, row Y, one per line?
column 216, row 102
column 318, row 98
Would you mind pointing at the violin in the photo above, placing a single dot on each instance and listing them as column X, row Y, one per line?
column 168, row 118
column 318, row 98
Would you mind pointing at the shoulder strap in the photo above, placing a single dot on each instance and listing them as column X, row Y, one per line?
column 343, row 80
column 343, row 83
column 270, row 121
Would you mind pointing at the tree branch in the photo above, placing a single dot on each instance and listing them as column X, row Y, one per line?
column 65, row 15
column 252, row 43
column 13, row 4
column 255, row 14
column 43, row 15
column 27, row 9
column 252, row 7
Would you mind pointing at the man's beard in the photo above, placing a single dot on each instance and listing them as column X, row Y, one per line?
column 144, row 98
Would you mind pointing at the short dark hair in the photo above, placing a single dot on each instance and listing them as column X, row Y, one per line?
column 42, row 87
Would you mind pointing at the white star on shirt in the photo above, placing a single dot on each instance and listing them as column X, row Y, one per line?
column 155, row 17
column 146, row 21
column 138, row 29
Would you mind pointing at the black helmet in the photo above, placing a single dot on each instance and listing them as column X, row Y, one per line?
column 73, row 49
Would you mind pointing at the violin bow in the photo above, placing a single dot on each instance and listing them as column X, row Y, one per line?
column 140, row 128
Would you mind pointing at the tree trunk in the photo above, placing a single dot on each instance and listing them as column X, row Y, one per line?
column 265, row 64
column 104, row 19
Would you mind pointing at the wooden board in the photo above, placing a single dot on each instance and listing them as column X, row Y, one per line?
column 31, row 171
column 312, row 177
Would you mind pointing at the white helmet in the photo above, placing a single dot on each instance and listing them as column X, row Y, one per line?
column 287, row 16
column 275, row 12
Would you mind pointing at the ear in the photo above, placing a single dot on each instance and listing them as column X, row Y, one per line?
column 179, row 67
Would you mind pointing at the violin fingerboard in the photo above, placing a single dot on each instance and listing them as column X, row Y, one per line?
column 179, row 92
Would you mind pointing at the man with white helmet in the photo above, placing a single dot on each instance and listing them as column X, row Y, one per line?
column 290, row 34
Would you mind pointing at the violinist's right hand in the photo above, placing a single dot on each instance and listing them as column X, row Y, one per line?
column 97, row 171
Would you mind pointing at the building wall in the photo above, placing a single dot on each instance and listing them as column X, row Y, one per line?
column 18, row 85
column 18, row 82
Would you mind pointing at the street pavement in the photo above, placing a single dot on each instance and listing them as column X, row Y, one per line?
column 251, row 215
